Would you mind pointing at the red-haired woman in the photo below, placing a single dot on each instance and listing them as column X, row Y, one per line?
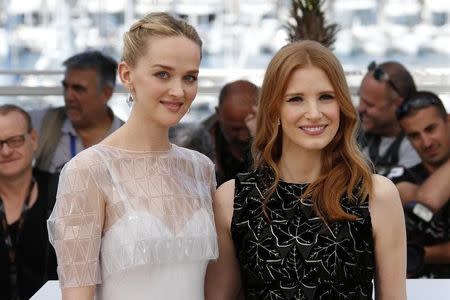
column 311, row 221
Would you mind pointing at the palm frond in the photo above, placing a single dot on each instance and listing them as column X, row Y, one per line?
column 308, row 22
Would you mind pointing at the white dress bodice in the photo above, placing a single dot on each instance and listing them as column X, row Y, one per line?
column 139, row 225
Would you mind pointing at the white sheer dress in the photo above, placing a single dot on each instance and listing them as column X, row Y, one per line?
column 139, row 225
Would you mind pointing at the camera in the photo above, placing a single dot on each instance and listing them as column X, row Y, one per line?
column 415, row 259
column 418, row 221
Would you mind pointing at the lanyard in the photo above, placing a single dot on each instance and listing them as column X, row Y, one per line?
column 11, row 244
column 73, row 145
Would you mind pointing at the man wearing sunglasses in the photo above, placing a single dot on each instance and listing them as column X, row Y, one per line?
column 26, row 260
column 424, row 188
column 382, row 90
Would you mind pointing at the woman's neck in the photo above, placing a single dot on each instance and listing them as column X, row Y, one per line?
column 300, row 167
column 140, row 135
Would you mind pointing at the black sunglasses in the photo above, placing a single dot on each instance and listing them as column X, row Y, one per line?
column 408, row 105
column 380, row 75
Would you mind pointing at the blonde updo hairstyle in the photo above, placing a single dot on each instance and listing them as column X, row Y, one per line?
column 157, row 24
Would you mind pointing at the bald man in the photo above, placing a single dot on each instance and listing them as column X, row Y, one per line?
column 26, row 199
column 382, row 91
column 229, row 131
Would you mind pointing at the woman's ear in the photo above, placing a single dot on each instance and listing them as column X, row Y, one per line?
column 124, row 71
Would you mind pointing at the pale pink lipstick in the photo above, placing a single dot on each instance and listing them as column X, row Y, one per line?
column 313, row 129
column 172, row 106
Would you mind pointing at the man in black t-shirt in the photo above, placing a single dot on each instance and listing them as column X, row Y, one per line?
column 229, row 131
column 383, row 89
column 424, row 188
column 26, row 259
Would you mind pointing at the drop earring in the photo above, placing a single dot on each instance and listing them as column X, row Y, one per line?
column 278, row 122
column 130, row 99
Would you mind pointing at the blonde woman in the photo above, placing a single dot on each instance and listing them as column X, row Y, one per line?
column 133, row 217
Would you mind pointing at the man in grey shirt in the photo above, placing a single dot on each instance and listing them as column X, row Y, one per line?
column 382, row 90
column 85, row 119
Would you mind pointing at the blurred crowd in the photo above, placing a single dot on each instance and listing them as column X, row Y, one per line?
column 404, row 133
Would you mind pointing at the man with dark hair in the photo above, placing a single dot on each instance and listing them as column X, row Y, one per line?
column 26, row 259
column 424, row 188
column 228, row 129
column 382, row 90
column 85, row 119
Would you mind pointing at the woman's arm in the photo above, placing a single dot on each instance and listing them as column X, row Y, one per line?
column 223, row 275
column 389, row 233
column 75, row 228
column 79, row 293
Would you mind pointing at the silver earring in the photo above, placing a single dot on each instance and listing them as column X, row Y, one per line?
column 130, row 99
column 278, row 122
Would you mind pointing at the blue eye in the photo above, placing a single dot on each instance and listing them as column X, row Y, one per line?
column 162, row 75
column 190, row 78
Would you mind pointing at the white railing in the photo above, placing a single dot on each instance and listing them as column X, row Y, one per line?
column 211, row 80
column 42, row 88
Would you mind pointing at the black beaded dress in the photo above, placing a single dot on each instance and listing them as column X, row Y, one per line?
column 297, row 256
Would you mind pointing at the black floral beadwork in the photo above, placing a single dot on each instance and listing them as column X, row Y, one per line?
column 296, row 255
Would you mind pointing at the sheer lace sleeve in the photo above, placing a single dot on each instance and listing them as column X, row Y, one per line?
column 212, row 180
column 75, row 225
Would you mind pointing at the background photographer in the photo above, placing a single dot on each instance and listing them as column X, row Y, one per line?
column 424, row 120
column 383, row 89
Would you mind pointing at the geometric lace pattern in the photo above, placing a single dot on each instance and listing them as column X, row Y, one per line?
column 117, row 209
column 296, row 255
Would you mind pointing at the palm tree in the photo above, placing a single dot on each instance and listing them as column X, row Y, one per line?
column 308, row 22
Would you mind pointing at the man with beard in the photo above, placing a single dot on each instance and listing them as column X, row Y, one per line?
column 424, row 188
column 229, row 131
column 382, row 90
column 85, row 119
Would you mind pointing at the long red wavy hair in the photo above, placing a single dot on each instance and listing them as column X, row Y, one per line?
column 343, row 165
